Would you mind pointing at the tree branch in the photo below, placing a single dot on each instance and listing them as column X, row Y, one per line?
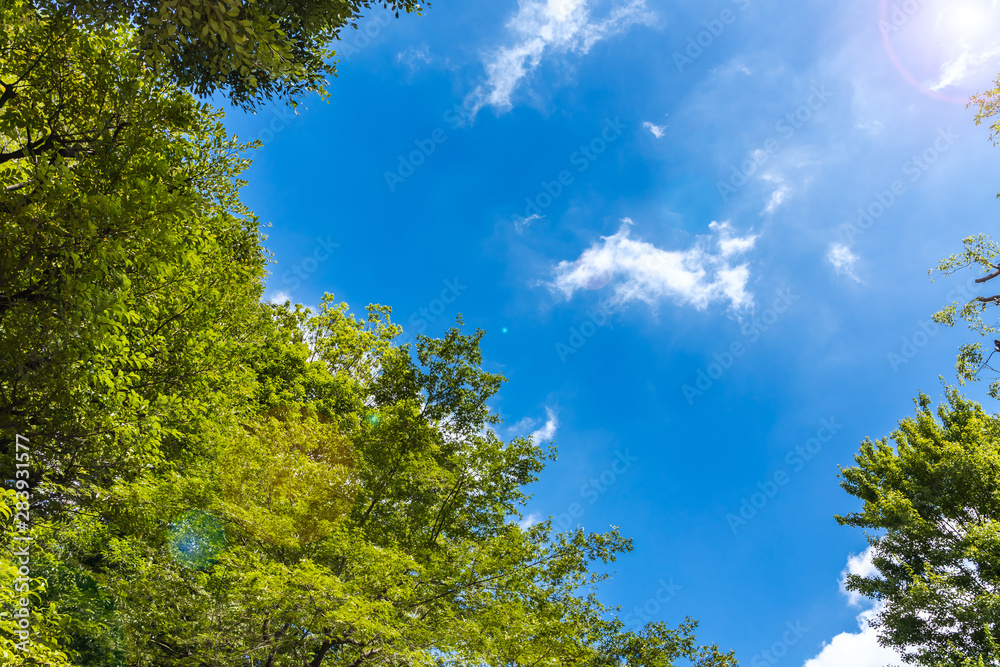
column 991, row 276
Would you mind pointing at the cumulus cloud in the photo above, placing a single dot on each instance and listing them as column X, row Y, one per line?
column 861, row 565
column 530, row 520
column 657, row 130
column 843, row 259
column 697, row 276
column 546, row 26
column 856, row 649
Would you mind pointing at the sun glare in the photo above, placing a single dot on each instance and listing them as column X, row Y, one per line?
column 969, row 21
column 945, row 48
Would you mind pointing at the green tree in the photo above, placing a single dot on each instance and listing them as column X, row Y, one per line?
column 987, row 107
column 220, row 482
column 932, row 515
column 130, row 274
column 31, row 631
column 251, row 49
column 978, row 251
column 983, row 252
column 411, row 556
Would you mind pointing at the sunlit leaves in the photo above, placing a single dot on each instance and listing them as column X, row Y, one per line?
column 253, row 50
column 932, row 512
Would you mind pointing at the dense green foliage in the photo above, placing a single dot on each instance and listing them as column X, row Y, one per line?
column 213, row 481
column 932, row 512
column 252, row 50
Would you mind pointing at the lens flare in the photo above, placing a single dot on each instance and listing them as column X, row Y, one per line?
column 196, row 539
column 946, row 49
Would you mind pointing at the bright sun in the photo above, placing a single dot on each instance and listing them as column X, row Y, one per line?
column 968, row 21
column 946, row 48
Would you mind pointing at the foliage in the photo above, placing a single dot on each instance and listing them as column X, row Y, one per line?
column 251, row 49
column 221, row 482
column 44, row 642
column 932, row 504
column 128, row 267
column 988, row 106
column 980, row 251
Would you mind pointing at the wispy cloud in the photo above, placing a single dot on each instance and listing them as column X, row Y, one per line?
column 548, row 430
column 413, row 57
column 541, row 26
column 657, row 130
column 776, row 199
column 965, row 64
column 524, row 223
column 843, row 260
column 697, row 276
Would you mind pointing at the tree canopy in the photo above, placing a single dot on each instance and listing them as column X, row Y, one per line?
column 932, row 512
column 217, row 481
column 251, row 50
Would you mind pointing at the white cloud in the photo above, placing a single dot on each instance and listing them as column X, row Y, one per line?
column 960, row 68
column 777, row 199
column 856, row 649
column 843, row 260
column 548, row 430
column 523, row 223
column 697, row 276
column 546, row 25
column 279, row 298
column 530, row 520
column 413, row 57
column 781, row 189
column 543, row 433
column 862, row 565
column 657, row 130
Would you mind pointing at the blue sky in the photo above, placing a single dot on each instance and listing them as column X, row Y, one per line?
column 697, row 235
